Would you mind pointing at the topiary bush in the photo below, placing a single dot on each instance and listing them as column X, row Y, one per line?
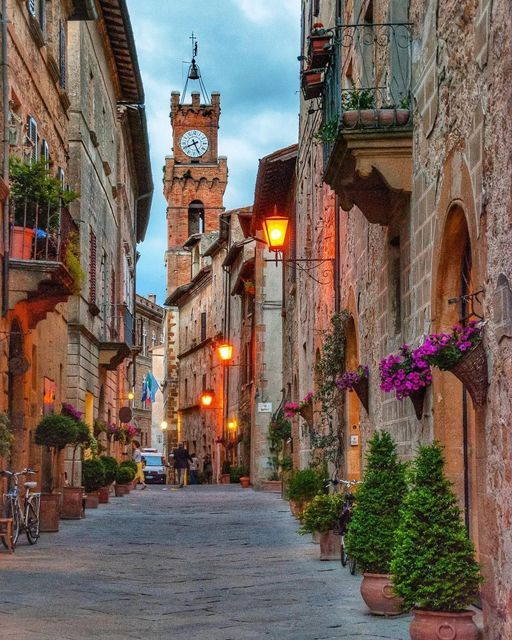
column 110, row 467
column 130, row 464
column 304, row 484
column 93, row 474
column 124, row 475
column 376, row 513
column 56, row 431
column 433, row 562
column 321, row 514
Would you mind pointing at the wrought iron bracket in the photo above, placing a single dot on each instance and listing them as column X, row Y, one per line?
column 469, row 299
column 326, row 276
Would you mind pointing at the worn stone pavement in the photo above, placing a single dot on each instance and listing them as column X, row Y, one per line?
column 200, row 563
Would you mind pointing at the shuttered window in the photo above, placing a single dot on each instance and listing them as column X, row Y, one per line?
column 45, row 151
column 203, row 326
column 42, row 15
column 92, row 267
column 62, row 55
column 31, row 5
column 33, row 139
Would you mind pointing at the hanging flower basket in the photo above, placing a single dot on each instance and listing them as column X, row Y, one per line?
column 304, row 408
column 471, row 370
column 356, row 381
column 418, row 399
column 363, row 392
column 319, row 49
column 306, row 412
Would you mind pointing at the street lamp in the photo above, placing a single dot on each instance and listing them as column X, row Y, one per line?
column 206, row 398
column 274, row 230
column 232, row 425
column 225, row 351
column 131, row 395
column 163, row 425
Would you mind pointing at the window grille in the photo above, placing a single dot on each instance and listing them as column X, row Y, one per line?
column 92, row 267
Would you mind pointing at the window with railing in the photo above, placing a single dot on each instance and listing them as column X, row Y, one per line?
column 367, row 83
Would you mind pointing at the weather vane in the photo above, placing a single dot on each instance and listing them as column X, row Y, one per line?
column 194, row 73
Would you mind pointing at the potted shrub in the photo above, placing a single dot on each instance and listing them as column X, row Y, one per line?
column 225, row 476
column 132, row 466
column 375, row 518
column 408, row 375
column 110, row 467
column 53, row 432
column 124, row 476
column 361, row 111
column 93, row 477
column 433, row 563
column 303, row 486
column 462, row 352
column 245, row 479
column 355, row 381
column 72, row 495
column 321, row 517
column 6, row 435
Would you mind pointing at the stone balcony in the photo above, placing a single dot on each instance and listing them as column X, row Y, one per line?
column 116, row 342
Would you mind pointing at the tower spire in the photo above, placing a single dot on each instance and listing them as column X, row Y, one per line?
column 194, row 73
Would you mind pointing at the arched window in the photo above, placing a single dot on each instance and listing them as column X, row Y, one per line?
column 195, row 217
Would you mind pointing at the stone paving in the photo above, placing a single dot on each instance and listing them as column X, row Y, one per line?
column 200, row 563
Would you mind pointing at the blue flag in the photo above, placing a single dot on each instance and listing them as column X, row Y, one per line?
column 152, row 386
column 144, row 396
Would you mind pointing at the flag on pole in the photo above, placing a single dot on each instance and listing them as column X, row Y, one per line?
column 144, row 395
column 152, row 386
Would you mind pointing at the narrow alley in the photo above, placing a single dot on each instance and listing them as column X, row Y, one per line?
column 212, row 562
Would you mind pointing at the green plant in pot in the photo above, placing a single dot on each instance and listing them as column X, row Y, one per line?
column 321, row 517
column 110, row 466
column 303, row 486
column 375, row 518
column 93, row 474
column 6, row 436
column 72, row 494
column 124, row 476
column 433, row 564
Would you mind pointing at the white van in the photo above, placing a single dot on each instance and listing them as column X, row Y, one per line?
column 155, row 469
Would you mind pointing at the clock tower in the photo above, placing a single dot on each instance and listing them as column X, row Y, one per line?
column 194, row 181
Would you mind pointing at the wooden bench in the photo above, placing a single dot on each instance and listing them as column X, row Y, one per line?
column 6, row 533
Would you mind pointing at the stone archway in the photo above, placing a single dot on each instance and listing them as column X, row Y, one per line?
column 457, row 425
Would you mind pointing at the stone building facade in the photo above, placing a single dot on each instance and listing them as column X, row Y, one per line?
column 110, row 168
column 37, row 281
column 148, row 337
column 415, row 214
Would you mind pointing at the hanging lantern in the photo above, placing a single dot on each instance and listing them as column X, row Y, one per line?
column 206, row 398
column 225, row 351
column 274, row 230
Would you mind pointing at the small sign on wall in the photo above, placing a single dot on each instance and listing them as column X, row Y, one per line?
column 354, row 440
column 264, row 407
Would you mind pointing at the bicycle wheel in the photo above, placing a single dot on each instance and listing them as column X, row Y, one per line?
column 344, row 556
column 12, row 511
column 352, row 566
column 32, row 524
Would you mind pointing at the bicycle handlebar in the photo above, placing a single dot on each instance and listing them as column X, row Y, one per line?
column 26, row 472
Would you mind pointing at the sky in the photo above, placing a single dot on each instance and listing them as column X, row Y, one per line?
column 247, row 50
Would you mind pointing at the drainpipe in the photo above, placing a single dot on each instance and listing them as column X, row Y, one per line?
column 5, row 164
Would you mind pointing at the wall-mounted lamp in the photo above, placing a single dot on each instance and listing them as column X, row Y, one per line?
column 232, row 425
column 274, row 230
column 225, row 351
column 131, row 395
column 206, row 398
column 163, row 425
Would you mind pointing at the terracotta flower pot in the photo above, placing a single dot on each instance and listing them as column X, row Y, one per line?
column 50, row 512
column 319, row 50
column 120, row 490
column 307, row 413
column 245, row 481
column 315, row 537
column 91, row 500
column 443, row 625
column 103, row 494
column 312, row 83
column 296, row 507
column 330, row 546
column 225, row 478
column 379, row 596
column 272, row 486
column 72, row 498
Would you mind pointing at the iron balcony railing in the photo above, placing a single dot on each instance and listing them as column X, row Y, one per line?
column 368, row 80
column 40, row 232
column 118, row 324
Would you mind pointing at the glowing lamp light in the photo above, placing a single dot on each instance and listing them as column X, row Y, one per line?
column 274, row 230
column 225, row 351
column 163, row 425
column 232, row 425
column 131, row 395
column 207, row 398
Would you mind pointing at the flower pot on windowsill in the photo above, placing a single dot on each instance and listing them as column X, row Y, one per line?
column 319, row 50
column 443, row 624
column 379, row 596
column 312, row 83
column 471, row 370
column 375, row 118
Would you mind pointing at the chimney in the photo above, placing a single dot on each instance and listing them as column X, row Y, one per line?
column 152, row 297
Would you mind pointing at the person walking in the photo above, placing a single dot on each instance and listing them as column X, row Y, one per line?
column 137, row 458
column 193, row 468
column 181, row 463
column 208, row 468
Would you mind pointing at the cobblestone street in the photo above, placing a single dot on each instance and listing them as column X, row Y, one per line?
column 216, row 563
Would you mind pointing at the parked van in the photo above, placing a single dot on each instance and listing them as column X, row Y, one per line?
column 155, row 469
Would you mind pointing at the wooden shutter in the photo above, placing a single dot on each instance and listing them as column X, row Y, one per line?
column 92, row 267
column 42, row 15
column 45, row 151
column 62, row 55
column 203, row 326
column 33, row 138
column 31, row 5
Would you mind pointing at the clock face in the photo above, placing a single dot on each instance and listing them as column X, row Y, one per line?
column 194, row 143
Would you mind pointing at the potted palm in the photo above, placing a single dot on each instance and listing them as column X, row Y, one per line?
column 54, row 432
column 375, row 518
column 93, row 477
column 124, row 476
column 110, row 467
column 433, row 561
column 72, row 495
column 303, row 486
column 321, row 517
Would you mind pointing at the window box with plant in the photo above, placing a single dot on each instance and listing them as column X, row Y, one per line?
column 361, row 111
column 321, row 516
column 312, row 83
column 433, row 562
column 408, row 375
column 319, row 46
column 375, row 518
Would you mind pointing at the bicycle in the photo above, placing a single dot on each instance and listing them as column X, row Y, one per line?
column 344, row 520
column 25, row 515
